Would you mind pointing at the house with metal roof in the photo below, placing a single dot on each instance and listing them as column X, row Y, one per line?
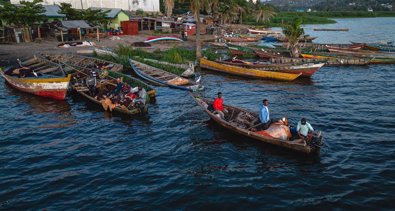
column 115, row 16
column 52, row 12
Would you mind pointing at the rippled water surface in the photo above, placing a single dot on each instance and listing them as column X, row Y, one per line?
column 63, row 155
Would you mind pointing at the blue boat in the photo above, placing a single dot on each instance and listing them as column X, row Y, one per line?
column 163, row 78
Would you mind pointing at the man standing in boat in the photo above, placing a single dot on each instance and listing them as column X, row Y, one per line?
column 264, row 114
column 219, row 105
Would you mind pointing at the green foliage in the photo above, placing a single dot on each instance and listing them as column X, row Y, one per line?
column 27, row 14
column 178, row 55
column 96, row 17
column 71, row 13
column 210, row 54
column 140, row 12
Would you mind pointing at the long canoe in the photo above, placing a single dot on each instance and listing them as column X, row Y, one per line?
column 306, row 69
column 372, row 59
column 44, row 78
column 245, row 123
column 330, row 61
column 242, row 39
column 75, row 62
column 163, row 78
column 246, row 72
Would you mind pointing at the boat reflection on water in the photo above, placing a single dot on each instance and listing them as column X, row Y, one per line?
column 42, row 105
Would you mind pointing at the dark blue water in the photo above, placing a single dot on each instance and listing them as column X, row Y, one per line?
column 71, row 155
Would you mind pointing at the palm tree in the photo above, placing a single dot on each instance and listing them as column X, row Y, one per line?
column 293, row 31
column 264, row 13
column 169, row 5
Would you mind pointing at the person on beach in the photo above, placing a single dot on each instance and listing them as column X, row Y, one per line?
column 305, row 130
column 264, row 115
column 218, row 106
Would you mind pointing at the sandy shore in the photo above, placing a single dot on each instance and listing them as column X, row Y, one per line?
column 10, row 52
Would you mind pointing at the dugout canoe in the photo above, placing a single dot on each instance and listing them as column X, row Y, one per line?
column 163, row 78
column 74, row 63
column 329, row 61
column 306, row 69
column 245, row 123
column 246, row 72
column 242, row 39
column 39, row 77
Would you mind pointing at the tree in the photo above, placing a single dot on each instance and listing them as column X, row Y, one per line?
column 293, row 31
column 96, row 17
column 264, row 13
column 71, row 13
column 25, row 15
column 169, row 5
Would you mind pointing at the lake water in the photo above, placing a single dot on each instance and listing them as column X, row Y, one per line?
column 71, row 155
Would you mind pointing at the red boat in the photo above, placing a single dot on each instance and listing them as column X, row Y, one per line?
column 39, row 77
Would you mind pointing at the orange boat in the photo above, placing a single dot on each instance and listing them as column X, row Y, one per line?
column 39, row 77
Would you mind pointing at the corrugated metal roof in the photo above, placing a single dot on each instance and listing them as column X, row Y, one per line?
column 76, row 24
column 53, row 11
column 113, row 12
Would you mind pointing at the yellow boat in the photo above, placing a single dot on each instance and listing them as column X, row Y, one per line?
column 246, row 72
column 312, row 56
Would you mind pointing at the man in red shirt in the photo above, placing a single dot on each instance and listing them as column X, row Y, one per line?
column 219, row 106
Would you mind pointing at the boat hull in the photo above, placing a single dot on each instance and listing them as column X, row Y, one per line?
column 246, row 72
column 305, row 149
column 306, row 70
column 55, row 88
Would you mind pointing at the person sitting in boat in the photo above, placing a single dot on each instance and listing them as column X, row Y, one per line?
column 304, row 129
column 91, row 82
column 141, row 96
column 218, row 106
column 264, row 115
column 279, row 130
column 118, row 87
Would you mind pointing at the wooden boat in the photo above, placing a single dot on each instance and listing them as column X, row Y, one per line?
column 245, row 123
column 341, row 49
column 373, row 59
column 242, row 39
column 328, row 29
column 163, row 78
column 305, row 38
column 73, row 63
column 306, row 69
column 189, row 68
column 265, row 32
column 83, row 90
column 163, row 38
column 266, row 54
column 246, row 72
column 39, row 77
column 336, row 61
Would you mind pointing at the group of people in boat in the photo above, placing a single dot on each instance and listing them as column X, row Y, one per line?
column 279, row 128
column 113, row 92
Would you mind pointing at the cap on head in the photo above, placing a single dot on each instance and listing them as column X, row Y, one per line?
column 303, row 121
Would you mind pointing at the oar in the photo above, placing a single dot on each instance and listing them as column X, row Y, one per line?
column 255, row 125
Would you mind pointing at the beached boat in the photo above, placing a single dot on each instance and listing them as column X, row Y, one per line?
column 162, row 38
column 242, row 39
column 246, row 72
column 330, row 29
column 245, row 123
column 163, row 78
column 329, row 61
column 305, row 38
column 372, row 59
column 74, row 63
column 264, row 32
column 306, row 69
column 39, row 77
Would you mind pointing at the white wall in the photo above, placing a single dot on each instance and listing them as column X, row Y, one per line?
column 146, row 5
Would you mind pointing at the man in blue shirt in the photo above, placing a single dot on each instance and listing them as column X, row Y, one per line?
column 264, row 114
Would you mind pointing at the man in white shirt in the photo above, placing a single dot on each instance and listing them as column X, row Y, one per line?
column 305, row 131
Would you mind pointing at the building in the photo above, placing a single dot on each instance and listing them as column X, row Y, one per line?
column 127, row 5
column 115, row 16
column 52, row 13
